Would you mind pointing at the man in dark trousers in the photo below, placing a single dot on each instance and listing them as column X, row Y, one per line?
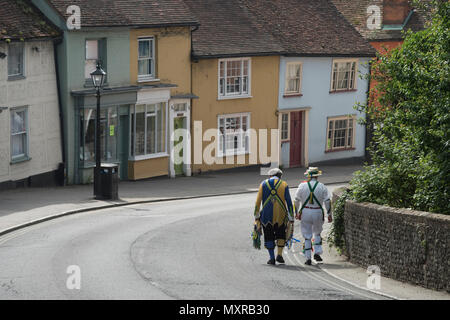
column 276, row 215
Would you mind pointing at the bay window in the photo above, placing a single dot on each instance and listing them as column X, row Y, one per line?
column 148, row 130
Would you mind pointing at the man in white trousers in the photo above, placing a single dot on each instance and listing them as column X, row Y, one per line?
column 310, row 197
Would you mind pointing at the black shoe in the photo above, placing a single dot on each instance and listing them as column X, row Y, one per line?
column 318, row 258
column 308, row 262
column 280, row 259
column 271, row 261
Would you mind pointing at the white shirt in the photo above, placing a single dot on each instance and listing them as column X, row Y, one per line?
column 303, row 193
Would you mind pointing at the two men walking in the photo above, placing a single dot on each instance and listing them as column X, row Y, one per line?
column 277, row 214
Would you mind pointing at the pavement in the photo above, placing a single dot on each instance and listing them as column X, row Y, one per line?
column 24, row 207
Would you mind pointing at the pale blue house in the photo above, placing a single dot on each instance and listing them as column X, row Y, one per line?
column 317, row 120
column 319, row 80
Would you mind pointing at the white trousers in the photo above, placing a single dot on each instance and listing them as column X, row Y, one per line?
column 312, row 226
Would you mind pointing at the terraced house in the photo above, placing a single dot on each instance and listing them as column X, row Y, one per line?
column 30, row 131
column 235, row 74
column 231, row 73
column 319, row 80
column 293, row 65
column 144, row 46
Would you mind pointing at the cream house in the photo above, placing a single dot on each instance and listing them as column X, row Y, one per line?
column 30, row 133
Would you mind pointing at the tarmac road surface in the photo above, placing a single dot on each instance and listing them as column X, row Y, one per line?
column 188, row 249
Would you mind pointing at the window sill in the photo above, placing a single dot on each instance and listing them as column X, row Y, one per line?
column 20, row 160
column 292, row 95
column 149, row 156
column 148, row 79
column 234, row 97
column 240, row 153
column 339, row 91
column 337, row 150
column 16, row 78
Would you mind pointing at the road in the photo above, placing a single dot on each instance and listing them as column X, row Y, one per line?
column 190, row 249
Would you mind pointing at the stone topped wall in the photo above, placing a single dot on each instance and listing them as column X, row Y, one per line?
column 407, row 245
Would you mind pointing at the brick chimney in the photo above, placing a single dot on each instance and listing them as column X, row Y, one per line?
column 395, row 12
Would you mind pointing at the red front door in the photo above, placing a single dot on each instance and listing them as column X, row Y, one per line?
column 296, row 139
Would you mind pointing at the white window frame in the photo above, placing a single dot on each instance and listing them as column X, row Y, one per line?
column 226, row 95
column 25, row 155
column 286, row 85
column 241, row 150
column 331, row 148
column 19, row 75
column 355, row 78
column 146, row 156
column 288, row 114
column 152, row 58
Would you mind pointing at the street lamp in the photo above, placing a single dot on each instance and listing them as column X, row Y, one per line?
column 98, row 79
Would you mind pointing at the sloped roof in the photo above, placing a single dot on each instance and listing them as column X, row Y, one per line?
column 288, row 27
column 309, row 27
column 227, row 28
column 137, row 13
column 20, row 20
column 355, row 11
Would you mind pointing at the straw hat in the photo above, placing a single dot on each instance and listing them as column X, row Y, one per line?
column 313, row 172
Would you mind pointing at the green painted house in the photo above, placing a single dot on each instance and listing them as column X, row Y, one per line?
column 90, row 34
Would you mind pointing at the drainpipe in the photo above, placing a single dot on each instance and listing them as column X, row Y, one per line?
column 369, row 125
column 62, row 167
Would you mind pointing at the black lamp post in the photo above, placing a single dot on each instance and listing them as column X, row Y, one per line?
column 98, row 79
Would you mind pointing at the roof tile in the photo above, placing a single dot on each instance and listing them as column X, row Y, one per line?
column 296, row 27
column 20, row 20
column 139, row 13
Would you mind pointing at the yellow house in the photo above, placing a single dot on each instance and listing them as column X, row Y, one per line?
column 160, row 65
column 235, row 95
column 235, row 72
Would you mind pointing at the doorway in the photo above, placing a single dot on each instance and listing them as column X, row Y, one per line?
column 180, row 139
column 295, row 159
column 179, row 123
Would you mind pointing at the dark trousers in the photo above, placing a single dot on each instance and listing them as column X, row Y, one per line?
column 272, row 233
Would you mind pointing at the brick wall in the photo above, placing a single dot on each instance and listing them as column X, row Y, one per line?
column 409, row 246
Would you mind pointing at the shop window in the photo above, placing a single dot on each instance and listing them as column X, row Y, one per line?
column 109, row 125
